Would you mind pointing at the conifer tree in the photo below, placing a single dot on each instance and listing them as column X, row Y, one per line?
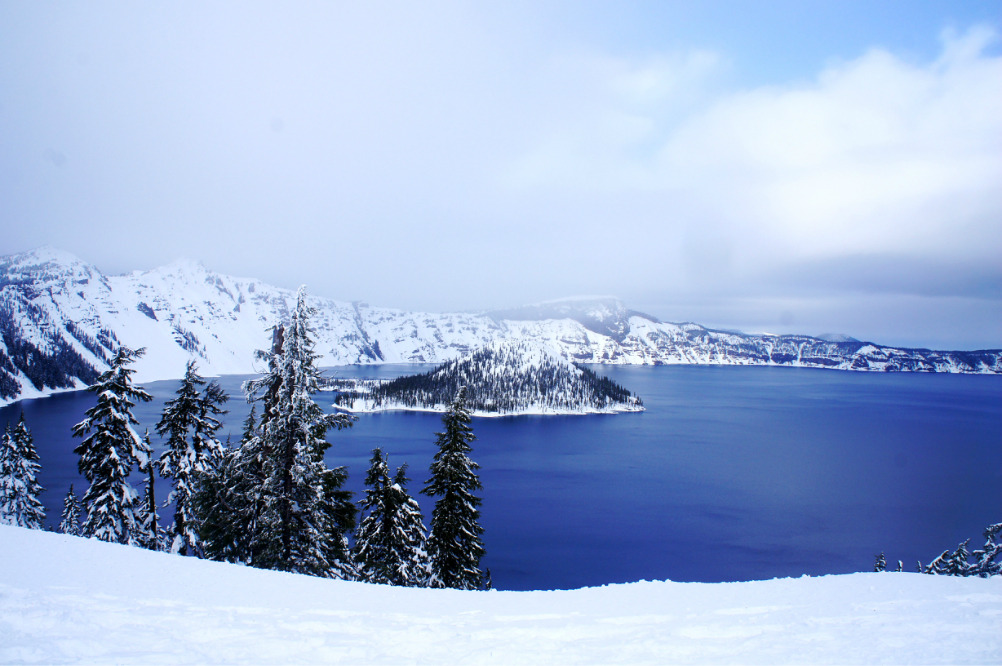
column 391, row 539
column 109, row 450
column 70, row 523
column 228, row 499
column 190, row 424
column 988, row 559
column 411, row 543
column 455, row 544
column 19, row 487
column 958, row 562
column 303, row 509
column 371, row 539
column 881, row 563
column 149, row 533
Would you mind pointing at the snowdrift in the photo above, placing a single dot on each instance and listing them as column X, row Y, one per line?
column 68, row 599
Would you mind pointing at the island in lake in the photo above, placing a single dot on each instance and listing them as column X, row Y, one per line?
column 501, row 379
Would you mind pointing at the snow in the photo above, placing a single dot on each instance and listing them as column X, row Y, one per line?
column 67, row 599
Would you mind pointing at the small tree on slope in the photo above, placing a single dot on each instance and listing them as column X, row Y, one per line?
column 19, row 487
column 881, row 563
column 455, row 545
column 987, row 560
column 190, row 424
column 390, row 541
column 109, row 450
column 70, row 523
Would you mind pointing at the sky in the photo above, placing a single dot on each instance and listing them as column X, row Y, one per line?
column 820, row 167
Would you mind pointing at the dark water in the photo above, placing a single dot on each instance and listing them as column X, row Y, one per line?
column 732, row 473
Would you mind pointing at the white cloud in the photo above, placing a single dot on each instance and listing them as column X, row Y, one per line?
column 877, row 151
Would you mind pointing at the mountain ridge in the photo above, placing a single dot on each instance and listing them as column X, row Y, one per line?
column 61, row 318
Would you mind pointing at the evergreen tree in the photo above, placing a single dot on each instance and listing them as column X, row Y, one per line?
column 988, row 559
column 338, row 514
column 70, row 523
column 19, row 487
column 303, row 510
column 390, row 542
column 411, row 542
column 109, row 450
column 149, row 533
column 371, row 539
column 455, row 545
column 958, row 563
column 228, row 499
column 881, row 563
column 189, row 422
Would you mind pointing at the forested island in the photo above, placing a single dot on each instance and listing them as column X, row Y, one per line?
column 505, row 378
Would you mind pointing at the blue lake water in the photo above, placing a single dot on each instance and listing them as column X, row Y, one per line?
column 733, row 473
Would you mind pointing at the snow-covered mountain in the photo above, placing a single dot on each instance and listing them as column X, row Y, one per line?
column 60, row 318
column 503, row 378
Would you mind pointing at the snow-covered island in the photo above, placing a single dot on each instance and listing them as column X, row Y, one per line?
column 68, row 599
column 501, row 379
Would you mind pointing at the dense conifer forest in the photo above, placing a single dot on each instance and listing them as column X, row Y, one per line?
column 504, row 378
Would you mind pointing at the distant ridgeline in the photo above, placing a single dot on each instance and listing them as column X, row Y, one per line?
column 62, row 319
column 501, row 378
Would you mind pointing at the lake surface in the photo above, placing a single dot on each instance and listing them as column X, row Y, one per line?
column 732, row 473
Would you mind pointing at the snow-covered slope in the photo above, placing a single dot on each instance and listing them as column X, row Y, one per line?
column 67, row 599
column 502, row 378
column 60, row 318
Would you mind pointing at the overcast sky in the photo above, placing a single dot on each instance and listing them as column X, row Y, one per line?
column 770, row 166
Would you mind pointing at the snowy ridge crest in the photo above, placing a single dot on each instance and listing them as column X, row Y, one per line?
column 61, row 318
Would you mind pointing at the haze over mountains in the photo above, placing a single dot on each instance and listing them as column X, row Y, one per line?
column 60, row 319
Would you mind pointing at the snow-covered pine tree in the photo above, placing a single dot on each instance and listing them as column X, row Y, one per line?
column 19, row 487
column 338, row 511
column 228, row 499
column 70, row 523
column 411, row 536
column 372, row 538
column 189, row 422
column 988, row 559
column 454, row 544
column 149, row 533
column 109, row 450
column 8, row 482
column 881, row 563
column 390, row 541
column 958, row 563
column 303, row 510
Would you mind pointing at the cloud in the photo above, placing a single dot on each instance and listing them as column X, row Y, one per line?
column 450, row 155
column 876, row 154
column 876, row 180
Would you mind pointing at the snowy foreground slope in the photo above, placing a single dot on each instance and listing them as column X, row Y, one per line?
column 61, row 319
column 66, row 599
